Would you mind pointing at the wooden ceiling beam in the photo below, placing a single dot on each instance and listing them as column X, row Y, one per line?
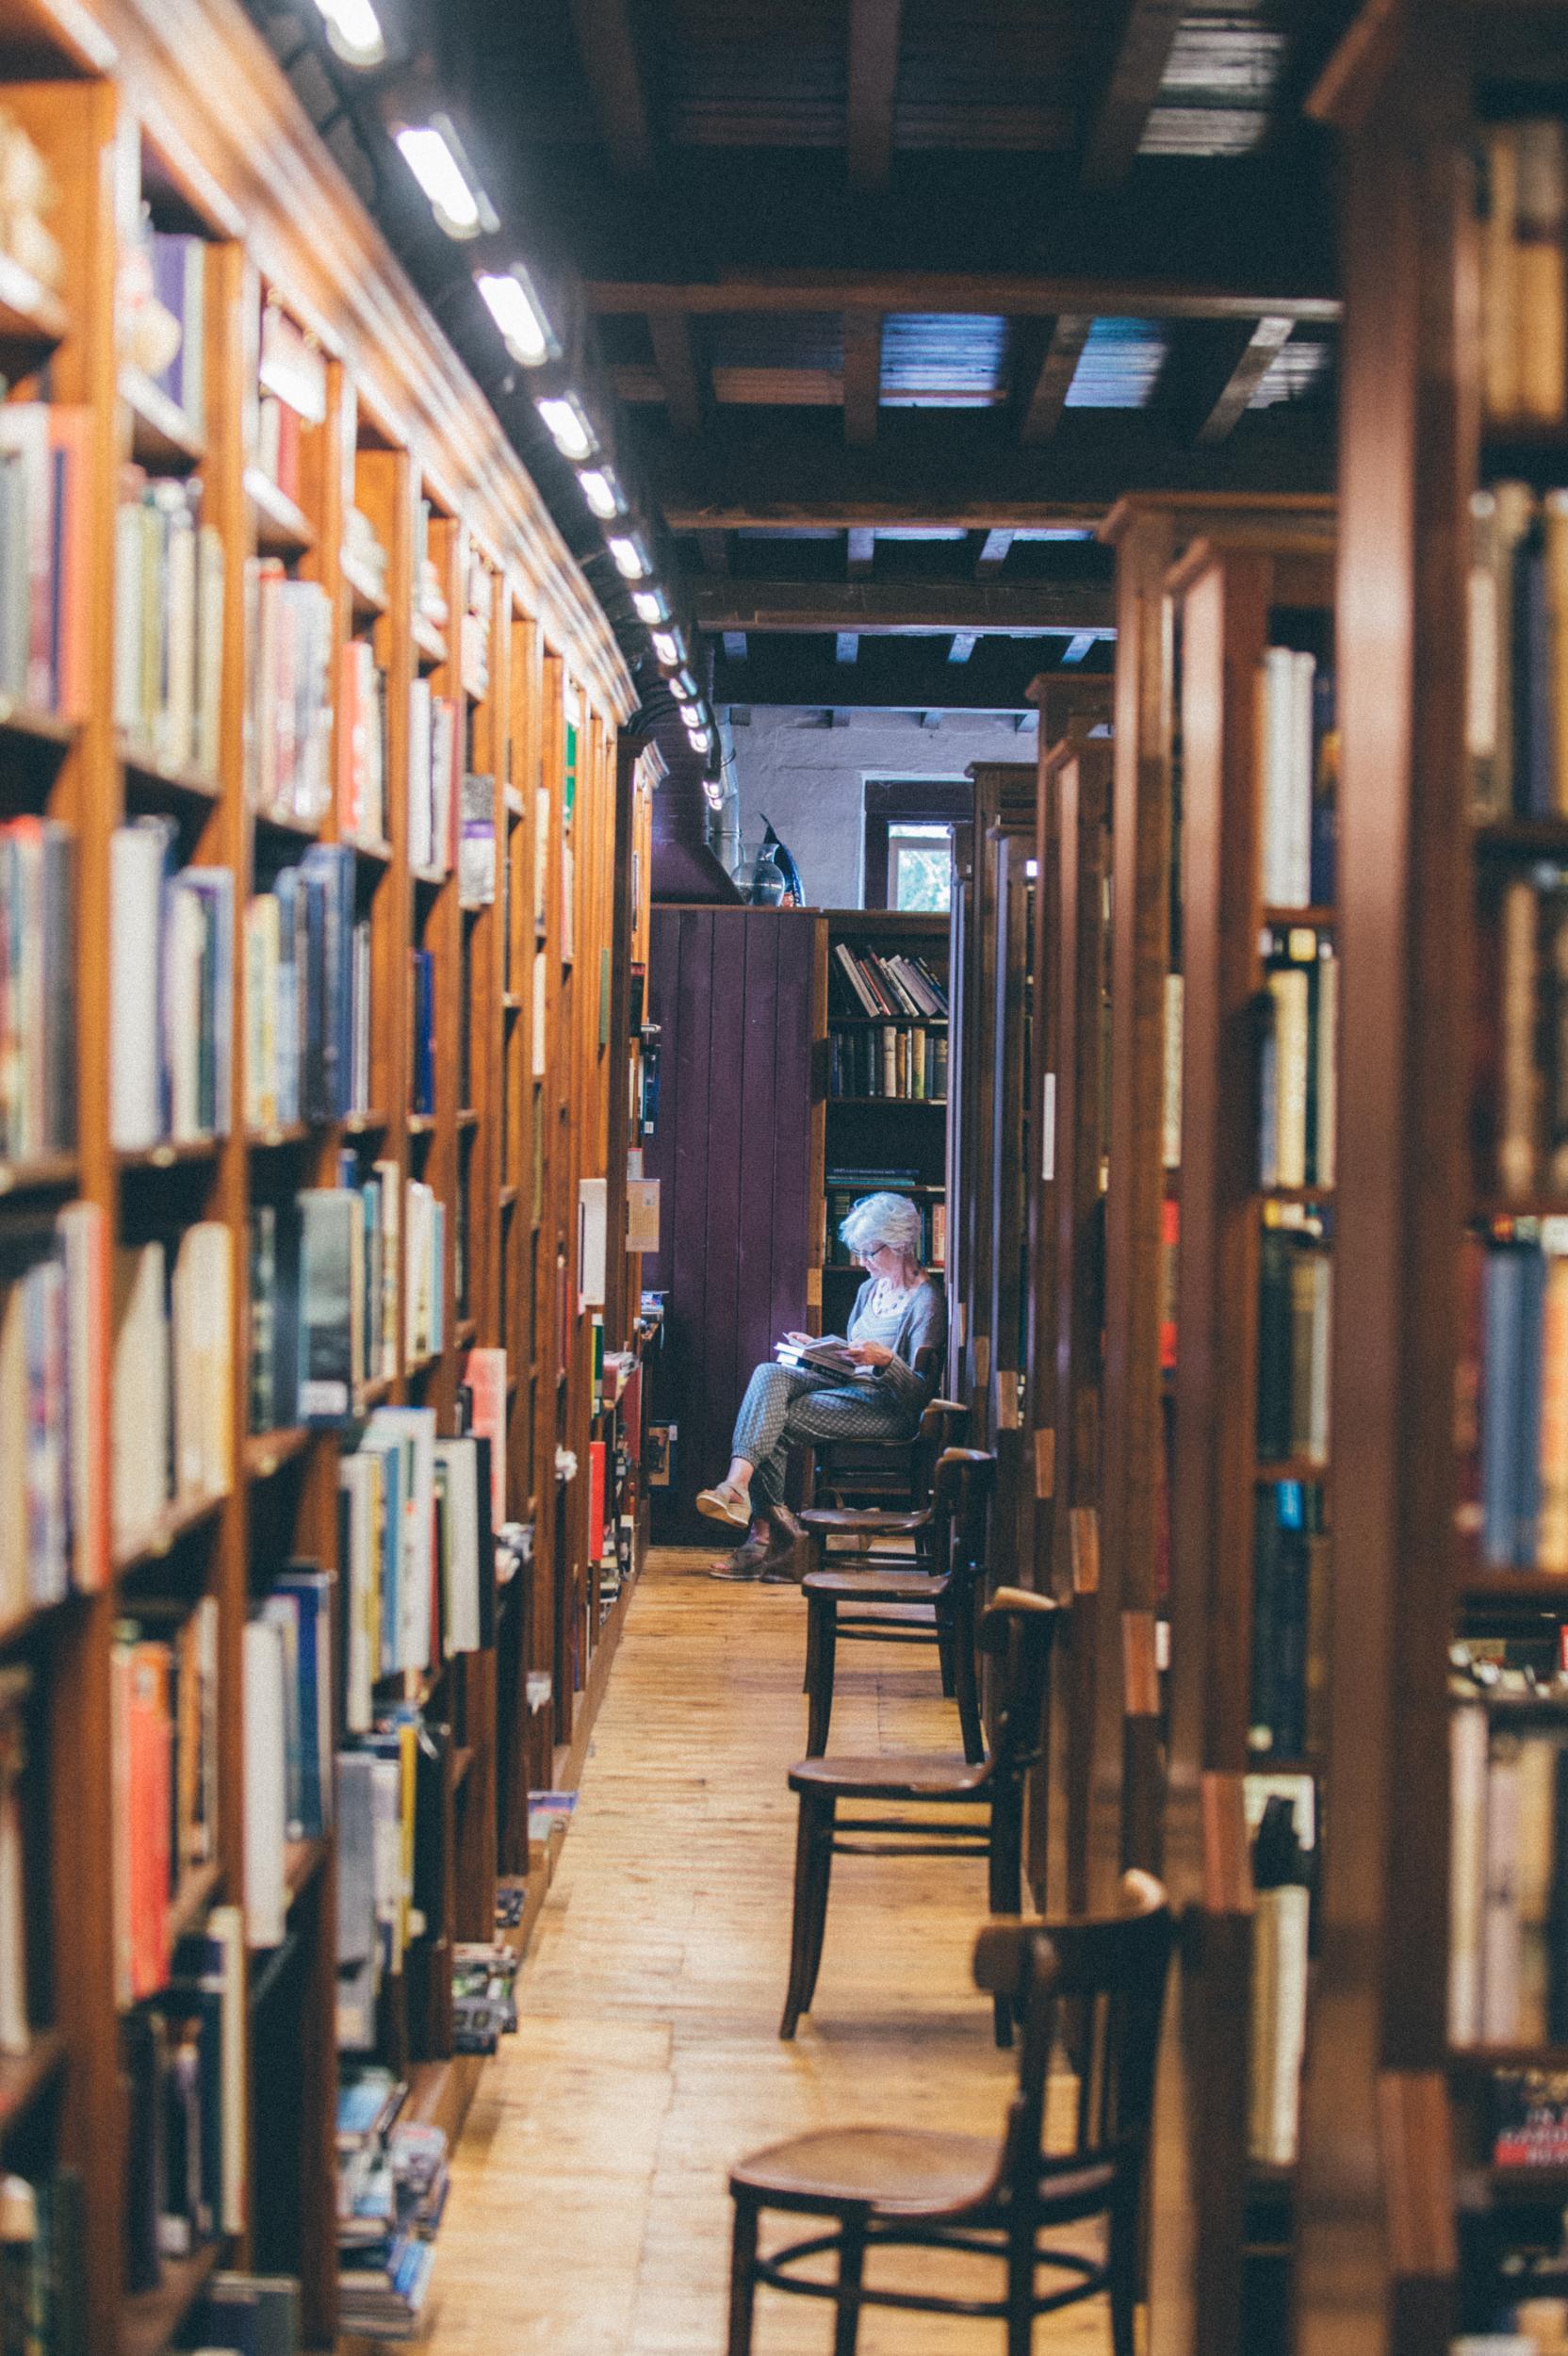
column 862, row 376
column 1135, row 70
column 1267, row 341
column 676, row 361
column 892, row 674
column 998, row 294
column 873, row 29
column 1041, row 412
column 609, row 56
column 901, row 606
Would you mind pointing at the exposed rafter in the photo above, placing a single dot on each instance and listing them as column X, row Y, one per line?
column 675, row 362
column 609, row 55
column 713, row 547
column 1131, row 84
column 862, row 376
column 735, row 646
column 874, row 27
column 963, row 646
column 1046, row 398
column 1268, row 340
column 893, row 674
column 861, row 554
column 993, row 554
column 918, row 606
column 1007, row 295
column 846, row 646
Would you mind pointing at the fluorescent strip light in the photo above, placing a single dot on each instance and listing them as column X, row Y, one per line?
column 569, row 429
column 699, row 741
column 434, row 155
column 691, row 715
column 667, row 646
column 631, row 558
column 648, row 605
column 353, row 31
column 510, row 299
column 684, row 686
column 601, row 491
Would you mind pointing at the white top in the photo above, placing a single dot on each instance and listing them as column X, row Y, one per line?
column 882, row 1315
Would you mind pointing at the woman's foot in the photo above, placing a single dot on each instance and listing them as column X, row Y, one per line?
column 747, row 1561
column 727, row 1501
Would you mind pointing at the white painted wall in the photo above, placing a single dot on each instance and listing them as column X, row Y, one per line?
column 810, row 779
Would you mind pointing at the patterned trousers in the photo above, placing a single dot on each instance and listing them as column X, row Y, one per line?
column 784, row 1405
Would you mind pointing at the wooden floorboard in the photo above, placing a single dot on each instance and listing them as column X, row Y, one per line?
column 589, row 2215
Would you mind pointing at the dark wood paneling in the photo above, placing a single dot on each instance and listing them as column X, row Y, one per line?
column 731, row 989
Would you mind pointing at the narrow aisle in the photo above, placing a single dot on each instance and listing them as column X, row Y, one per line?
column 589, row 2215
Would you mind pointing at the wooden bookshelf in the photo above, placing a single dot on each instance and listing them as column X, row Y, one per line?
column 397, row 420
column 1217, row 2275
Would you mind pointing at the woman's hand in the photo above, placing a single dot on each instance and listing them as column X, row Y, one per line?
column 871, row 1353
column 798, row 1339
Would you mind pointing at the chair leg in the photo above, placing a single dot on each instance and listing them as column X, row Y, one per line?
column 821, row 1875
column 945, row 1654
column 1021, row 2295
column 1005, row 1877
column 811, row 1910
column 1122, row 2263
column 822, row 1645
column 742, row 2277
column 967, row 1690
column 851, row 2266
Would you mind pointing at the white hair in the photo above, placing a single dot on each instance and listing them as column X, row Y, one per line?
column 889, row 1219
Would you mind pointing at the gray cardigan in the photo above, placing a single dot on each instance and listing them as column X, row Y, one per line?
column 908, row 1378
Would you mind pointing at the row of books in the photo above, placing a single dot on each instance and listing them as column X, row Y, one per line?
column 183, row 2063
column 1290, row 1634
column 1520, row 1093
column 365, row 550
column 280, row 446
column 1296, row 1062
column 421, row 1077
column 887, row 1060
column 424, row 1274
column 52, row 1284
column 1277, row 2015
column 417, row 1550
column 45, row 561
column 168, row 622
column 1507, row 1895
column 392, row 2190
column 435, row 767
column 289, row 637
column 474, row 628
column 1512, row 1396
column 1295, row 1302
column 1515, row 727
column 485, row 1994
column 1522, row 186
column 172, row 970
column 865, row 981
column 170, row 1376
column 174, row 276
column 307, row 995
column 323, row 1269
column 288, row 1739
column 164, row 1697
column 840, row 1201
column 361, row 744
column 38, row 989
column 1299, row 758
column 389, row 1804
column 43, row 2253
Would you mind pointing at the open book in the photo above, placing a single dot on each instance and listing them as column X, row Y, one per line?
column 827, row 1354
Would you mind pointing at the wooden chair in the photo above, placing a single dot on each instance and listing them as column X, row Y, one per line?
column 884, row 1467
column 1098, row 1984
column 987, row 1798
column 886, row 1605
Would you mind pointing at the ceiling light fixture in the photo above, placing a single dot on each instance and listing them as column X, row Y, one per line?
column 631, row 557
column 567, row 422
column 434, row 153
column 512, row 303
column 684, row 687
column 602, row 492
column 667, row 646
column 648, row 605
column 691, row 715
column 353, row 31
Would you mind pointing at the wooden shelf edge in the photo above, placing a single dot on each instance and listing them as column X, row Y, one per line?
column 365, row 596
column 282, row 528
column 54, row 1173
column 193, row 785
column 167, row 1152
column 177, row 1522
column 266, row 1452
column 160, row 431
column 30, row 312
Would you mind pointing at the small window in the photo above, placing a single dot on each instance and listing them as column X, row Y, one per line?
column 919, row 866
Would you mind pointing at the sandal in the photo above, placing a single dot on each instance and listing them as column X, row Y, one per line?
column 745, row 1563
column 723, row 1502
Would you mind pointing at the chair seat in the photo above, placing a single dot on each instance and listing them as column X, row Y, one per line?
column 871, row 1521
column 877, row 1586
column 891, row 1776
column 896, row 2171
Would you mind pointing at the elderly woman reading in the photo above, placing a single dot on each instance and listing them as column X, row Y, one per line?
column 897, row 1331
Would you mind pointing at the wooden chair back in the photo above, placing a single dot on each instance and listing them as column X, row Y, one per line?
column 1097, row 1985
column 1018, row 1630
column 864, row 1464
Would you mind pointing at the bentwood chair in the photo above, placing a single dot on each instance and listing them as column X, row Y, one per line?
column 888, row 1604
column 1096, row 1983
column 863, row 1469
column 967, row 1809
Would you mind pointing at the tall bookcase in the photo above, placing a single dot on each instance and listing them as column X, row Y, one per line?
column 1402, row 2215
column 392, row 449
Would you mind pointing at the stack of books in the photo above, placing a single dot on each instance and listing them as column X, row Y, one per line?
column 388, row 2222
column 289, row 718
column 52, row 1526
column 38, row 989
column 1521, row 1123
column 1296, row 1065
column 1295, row 1299
column 1290, row 1634
column 887, row 1060
column 168, row 623
column 1516, row 728
column 323, row 1299
column 288, row 1753
column 485, row 1994
column 164, row 1719
column 1508, row 1957
column 170, row 1378
column 1522, row 187
column 883, row 982
column 171, row 968
column 424, row 1274
column 361, row 745
column 378, row 1798
column 1512, row 1382
column 434, row 775
column 183, row 2060
column 46, row 563
column 1298, row 748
